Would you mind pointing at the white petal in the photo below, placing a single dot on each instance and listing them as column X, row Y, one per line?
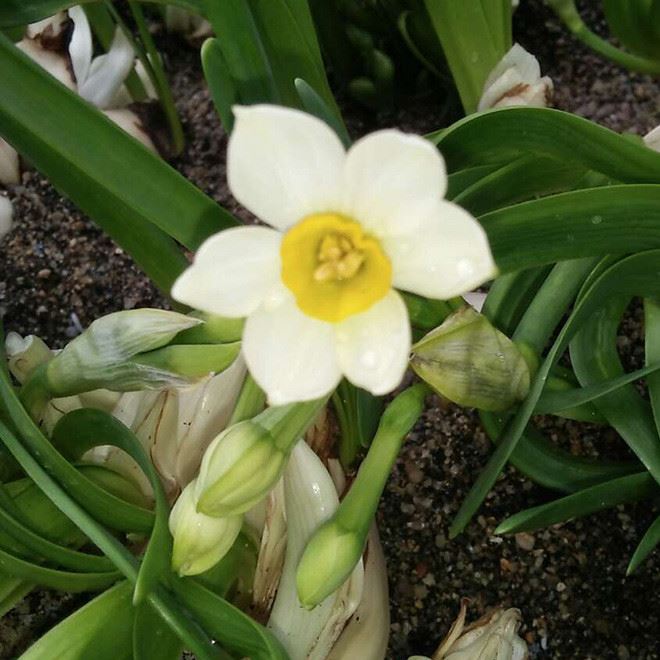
column 51, row 26
column 651, row 139
column 57, row 64
column 373, row 346
column 108, row 72
column 81, row 47
column 128, row 121
column 389, row 178
column 447, row 256
column 6, row 215
column 516, row 80
column 283, row 164
column 233, row 272
column 10, row 171
column 292, row 356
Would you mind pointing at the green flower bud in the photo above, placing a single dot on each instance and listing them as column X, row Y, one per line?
column 200, row 541
column 471, row 363
column 238, row 469
column 102, row 356
column 329, row 557
column 245, row 461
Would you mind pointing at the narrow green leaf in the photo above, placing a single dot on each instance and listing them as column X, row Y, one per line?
column 631, row 488
column 55, row 578
column 572, row 225
column 90, row 428
column 152, row 638
column 646, row 546
column 243, row 50
column 100, row 630
column 503, row 134
column 218, row 78
column 20, row 12
column 124, row 187
column 232, row 628
column 553, row 402
column 633, row 275
column 314, row 104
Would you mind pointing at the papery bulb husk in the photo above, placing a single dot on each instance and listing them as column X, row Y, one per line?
column 311, row 499
column 471, row 363
column 271, row 553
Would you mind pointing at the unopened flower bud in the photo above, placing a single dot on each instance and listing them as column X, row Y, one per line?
column 200, row 541
column 331, row 554
column 245, row 461
column 516, row 80
column 470, row 362
column 493, row 637
column 102, row 356
column 238, row 469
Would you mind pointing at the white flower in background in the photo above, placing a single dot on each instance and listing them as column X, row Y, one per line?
column 493, row 637
column 193, row 27
column 652, row 139
column 63, row 46
column 319, row 288
column 516, row 80
column 6, row 215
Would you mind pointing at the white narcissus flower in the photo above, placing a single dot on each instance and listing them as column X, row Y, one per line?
column 68, row 55
column 516, row 80
column 348, row 229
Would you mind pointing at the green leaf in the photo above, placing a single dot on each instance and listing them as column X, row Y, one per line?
column 243, row 50
column 631, row 488
column 553, row 402
column 315, row 105
column 20, row 12
column 89, row 428
column 466, row 34
column 646, row 546
column 55, row 578
column 232, row 628
column 152, row 638
column 100, row 630
column 576, row 224
column 504, row 134
column 221, row 85
column 634, row 275
column 129, row 191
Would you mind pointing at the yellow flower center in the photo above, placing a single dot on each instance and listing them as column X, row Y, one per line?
column 333, row 268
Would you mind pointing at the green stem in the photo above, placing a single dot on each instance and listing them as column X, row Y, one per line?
column 567, row 11
column 359, row 506
column 250, row 402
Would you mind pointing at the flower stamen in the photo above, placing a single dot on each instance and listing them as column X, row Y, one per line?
column 338, row 258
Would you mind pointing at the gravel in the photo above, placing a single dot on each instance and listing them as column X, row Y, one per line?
column 59, row 272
